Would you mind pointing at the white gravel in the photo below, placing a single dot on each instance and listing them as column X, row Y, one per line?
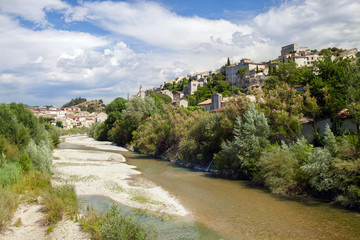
column 107, row 174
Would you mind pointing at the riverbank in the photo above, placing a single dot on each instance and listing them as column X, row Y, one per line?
column 94, row 172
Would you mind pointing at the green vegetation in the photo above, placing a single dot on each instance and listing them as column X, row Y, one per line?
column 175, row 87
column 59, row 201
column 8, row 202
column 260, row 141
column 114, row 225
column 216, row 84
column 25, row 156
column 74, row 102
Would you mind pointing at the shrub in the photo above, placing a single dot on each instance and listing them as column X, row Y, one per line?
column 59, row 201
column 161, row 134
column 39, row 155
column 320, row 169
column 114, row 225
column 8, row 200
column 241, row 154
column 9, row 174
column 25, row 162
column 278, row 167
column 204, row 138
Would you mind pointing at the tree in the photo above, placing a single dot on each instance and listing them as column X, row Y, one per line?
column 242, row 72
column 137, row 110
column 311, row 108
column 228, row 62
column 75, row 101
column 271, row 69
column 282, row 105
column 59, row 124
column 250, row 137
column 329, row 87
column 204, row 138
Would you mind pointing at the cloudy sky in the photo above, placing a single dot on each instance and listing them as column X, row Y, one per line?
column 55, row 50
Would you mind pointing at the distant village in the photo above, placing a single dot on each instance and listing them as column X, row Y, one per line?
column 255, row 79
column 69, row 116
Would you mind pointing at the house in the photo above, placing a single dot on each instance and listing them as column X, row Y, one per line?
column 192, row 87
column 292, row 48
column 180, row 103
column 179, row 95
column 301, row 55
column 245, row 63
column 256, row 81
column 217, row 102
column 168, row 93
column 101, row 117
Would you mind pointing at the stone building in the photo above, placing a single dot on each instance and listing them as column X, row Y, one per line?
column 245, row 63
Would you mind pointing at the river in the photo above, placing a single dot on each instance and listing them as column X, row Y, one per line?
column 238, row 210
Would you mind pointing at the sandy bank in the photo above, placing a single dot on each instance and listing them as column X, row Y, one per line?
column 106, row 173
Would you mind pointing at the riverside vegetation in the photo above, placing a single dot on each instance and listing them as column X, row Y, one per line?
column 26, row 143
column 259, row 141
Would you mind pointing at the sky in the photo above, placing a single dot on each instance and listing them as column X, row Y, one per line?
column 54, row 50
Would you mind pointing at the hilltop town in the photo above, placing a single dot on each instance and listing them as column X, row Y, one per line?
column 244, row 75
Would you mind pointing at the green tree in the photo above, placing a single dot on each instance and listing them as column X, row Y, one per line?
column 59, row 124
column 282, row 106
column 204, row 138
column 137, row 110
column 241, row 154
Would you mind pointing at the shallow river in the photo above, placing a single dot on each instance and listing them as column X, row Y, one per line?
column 238, row 210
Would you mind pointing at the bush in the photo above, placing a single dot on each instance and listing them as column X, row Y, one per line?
column 115, row 226
column 40, row 156
column 161, row 134
column 278, row 167
column 25, row 162
column 9, row 174
column 8, row 200
column 33, row 183
column 238, row 157
column 204, row 138
column 59, row 201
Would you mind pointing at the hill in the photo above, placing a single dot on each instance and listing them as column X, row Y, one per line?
column 92, row 106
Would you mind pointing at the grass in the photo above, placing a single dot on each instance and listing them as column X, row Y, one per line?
column 140, row 198
column 77, row 178
column 8, row 202
column 58, row 202
column 9, row 174
column 114, row 225
column 65, row 164
column 113, row 186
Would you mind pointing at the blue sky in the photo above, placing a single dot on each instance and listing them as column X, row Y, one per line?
column 55, row 50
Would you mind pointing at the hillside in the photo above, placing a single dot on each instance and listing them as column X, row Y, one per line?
column 92, row 106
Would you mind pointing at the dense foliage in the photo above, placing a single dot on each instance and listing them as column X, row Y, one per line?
column 75, row 101
column 216, row 84
column 25, row 151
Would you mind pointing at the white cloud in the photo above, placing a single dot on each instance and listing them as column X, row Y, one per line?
column 7, row 78
column 50, row 66
column 156, row 25
column 32, row 10
column 314, row 23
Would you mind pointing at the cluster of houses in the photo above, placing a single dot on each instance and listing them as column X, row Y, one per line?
column 254, row 77
column 70, row 116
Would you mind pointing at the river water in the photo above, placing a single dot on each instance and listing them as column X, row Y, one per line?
column 238, row 210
